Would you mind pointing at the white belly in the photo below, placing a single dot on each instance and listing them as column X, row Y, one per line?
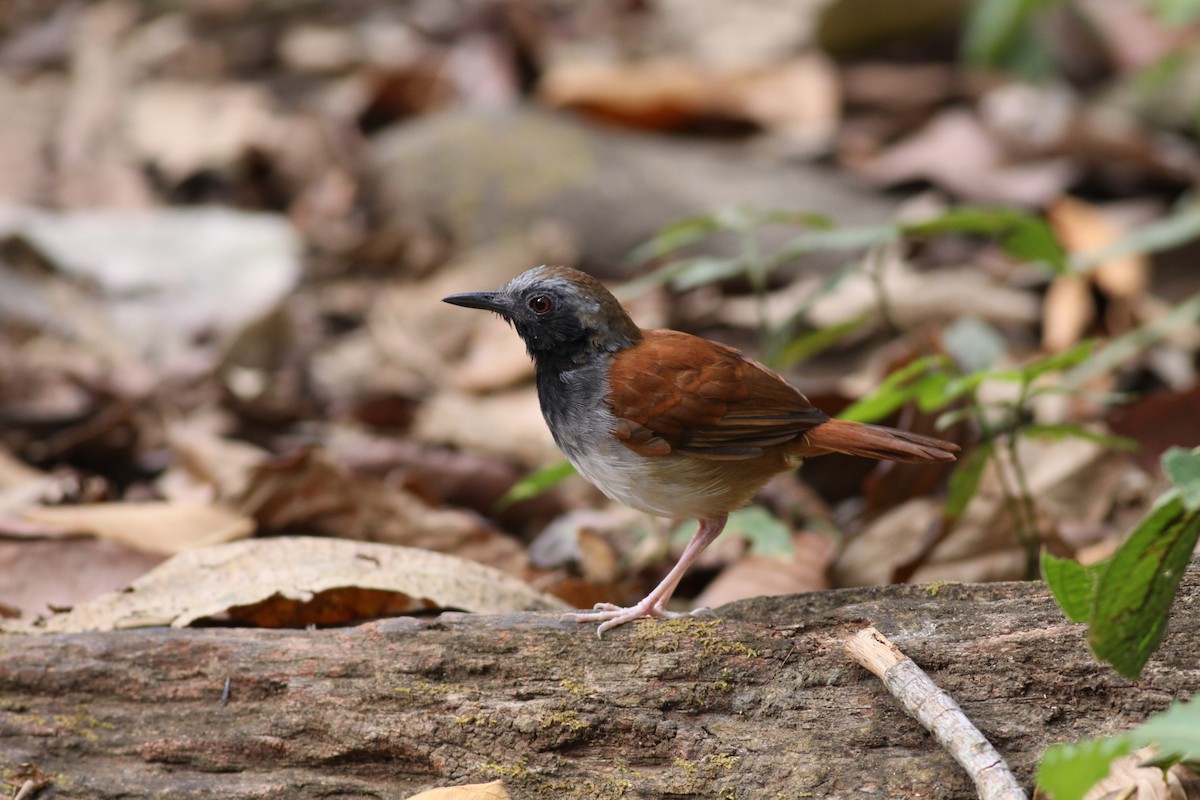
column 667, row 486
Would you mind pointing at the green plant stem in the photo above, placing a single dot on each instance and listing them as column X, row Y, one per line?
column 1025, row 497
column 756, row 270
column 1012, row 502
column 876, row 261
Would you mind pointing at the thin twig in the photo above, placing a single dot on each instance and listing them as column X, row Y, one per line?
column 921, row 699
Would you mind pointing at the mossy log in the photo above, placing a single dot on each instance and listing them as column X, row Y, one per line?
column 761, row 703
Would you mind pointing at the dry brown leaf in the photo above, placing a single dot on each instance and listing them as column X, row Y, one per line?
column 154, row 526
column 315, row 48
column 915, row 297
column 956, row 152
column 469, row 791
column 1082, row 227
column 592, row 538
column 1069, row 309
column 735, row 34
column 206, row 465
column 208, row 582
column 1134, row 36
column 757, row 575
column 309, row 492
column 1071, row 480
column 871, row 556
column 897, row 86
column 1128, row 779
column 1158, row 420
column 798, row 98
column 340, row 606
column 39, row 574
column 183, row 128
column 20, row 484
column 411, row 341
column 495, row 359
column 507, row 424
column 1067, row 312
column 29, row 110
column 15, row 473
column 94, row 169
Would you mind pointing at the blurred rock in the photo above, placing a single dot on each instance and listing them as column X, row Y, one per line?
column 476, row 177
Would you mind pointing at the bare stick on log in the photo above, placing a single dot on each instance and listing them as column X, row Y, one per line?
column 921, row 698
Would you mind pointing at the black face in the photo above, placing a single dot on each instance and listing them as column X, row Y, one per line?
column 562, row 314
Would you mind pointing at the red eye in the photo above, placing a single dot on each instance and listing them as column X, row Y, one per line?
column 540, row 304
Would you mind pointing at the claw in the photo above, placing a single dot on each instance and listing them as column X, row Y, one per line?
column 610, row 616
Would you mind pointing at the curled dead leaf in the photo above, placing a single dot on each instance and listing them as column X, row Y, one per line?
column 798, row 98
column 1130, row 777
column 211, row 581
column 1069, row 308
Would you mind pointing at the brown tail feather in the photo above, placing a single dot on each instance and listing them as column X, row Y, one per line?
column 874, row 441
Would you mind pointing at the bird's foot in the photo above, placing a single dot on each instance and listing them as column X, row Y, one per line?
column 610, row 616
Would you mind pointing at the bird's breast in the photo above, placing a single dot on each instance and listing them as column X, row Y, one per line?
column 677, row 486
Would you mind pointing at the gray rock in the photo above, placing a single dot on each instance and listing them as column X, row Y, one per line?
column 476, row 177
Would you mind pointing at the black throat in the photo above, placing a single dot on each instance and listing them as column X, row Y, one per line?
column 569, row 357
column 570, row 345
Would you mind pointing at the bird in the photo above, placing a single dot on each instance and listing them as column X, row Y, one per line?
column 666, row 422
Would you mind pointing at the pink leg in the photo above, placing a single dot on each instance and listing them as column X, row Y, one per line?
column 653, row 605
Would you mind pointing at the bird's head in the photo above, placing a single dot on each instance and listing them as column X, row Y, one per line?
column 563, row 315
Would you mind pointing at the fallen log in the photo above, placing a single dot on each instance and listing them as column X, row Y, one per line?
column 759, row 703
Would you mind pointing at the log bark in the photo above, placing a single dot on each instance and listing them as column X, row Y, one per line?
column 760, row 703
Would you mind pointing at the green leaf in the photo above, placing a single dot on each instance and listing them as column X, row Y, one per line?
column 1183, row 468
column 965, row 480
column 1067, row 771
column 1175, row 732
column 534, row 484
column 808, row 345
column 1177, row 13
column 803, row 219
column 1072, row 584
column 1021, row 234
column 703, row 270
column 1000, row 35
column 765, row 533
column 1059, row 361
column 894, row 391
column 1064, row 430
column 953, row 417
column 1135, row 593
column 676, row 236
column 1034, row 241
column 932, row 391
column 849, row 238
